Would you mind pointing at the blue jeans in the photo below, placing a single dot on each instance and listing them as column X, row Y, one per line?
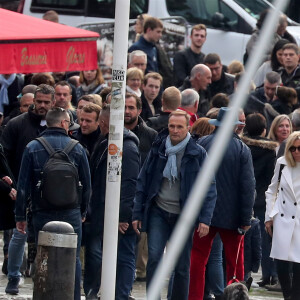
column 160, row 227
column 214, row 275
column 125, row 265
column 71, row 216
column 15, row 253
column 92, row 261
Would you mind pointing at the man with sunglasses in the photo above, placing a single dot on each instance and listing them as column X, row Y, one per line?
column 33, row 161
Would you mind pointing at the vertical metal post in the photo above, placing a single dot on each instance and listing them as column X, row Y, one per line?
column 115, row 148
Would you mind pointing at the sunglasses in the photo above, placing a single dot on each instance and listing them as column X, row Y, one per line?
column 293, row 148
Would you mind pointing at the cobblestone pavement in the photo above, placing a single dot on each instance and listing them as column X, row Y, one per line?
column 138, row 288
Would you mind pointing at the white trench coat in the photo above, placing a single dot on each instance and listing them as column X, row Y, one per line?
column 285, row 213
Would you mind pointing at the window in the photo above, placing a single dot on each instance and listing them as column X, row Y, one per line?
column 193, row 11
column 95, row 8
column 253, row 7
column 106, row 8
column 66, row 7
column 203, row 11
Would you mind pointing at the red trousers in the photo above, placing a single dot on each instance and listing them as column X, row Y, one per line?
column 232, row 241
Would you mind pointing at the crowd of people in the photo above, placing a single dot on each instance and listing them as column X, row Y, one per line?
column 249, row 218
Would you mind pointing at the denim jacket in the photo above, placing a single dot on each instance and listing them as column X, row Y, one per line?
column 33, row 160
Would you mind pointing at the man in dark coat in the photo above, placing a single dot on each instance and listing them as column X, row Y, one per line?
column 133, row 122
column 186, row 59
column 231, row 218
column 95, row 216
column 199, row 80
column 171, row 100
column 17, row 134
column 221, row 82
column 266, row 94
column 146, row 136
column 151, row 97
column 290, row 75
column 162, row 190
column 89, row 131
column 7, row 204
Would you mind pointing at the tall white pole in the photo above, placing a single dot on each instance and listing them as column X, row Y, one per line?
column 215, row 155
column 115, row 149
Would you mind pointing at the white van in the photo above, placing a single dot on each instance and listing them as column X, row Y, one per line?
column 229, row 22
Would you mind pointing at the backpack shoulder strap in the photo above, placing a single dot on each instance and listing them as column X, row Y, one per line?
column 46, row 145
column 70, row 146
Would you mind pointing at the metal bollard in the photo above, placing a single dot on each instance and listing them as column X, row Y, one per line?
column 55, row 262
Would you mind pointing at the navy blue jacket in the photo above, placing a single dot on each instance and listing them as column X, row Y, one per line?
column 34, row 158
column 235, row 184
column 130, row 171
column 151, row 176
column 150, row 50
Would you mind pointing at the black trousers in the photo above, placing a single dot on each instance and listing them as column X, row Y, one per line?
column 289, row 278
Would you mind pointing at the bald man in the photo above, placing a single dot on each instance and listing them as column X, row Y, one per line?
column 199, row 80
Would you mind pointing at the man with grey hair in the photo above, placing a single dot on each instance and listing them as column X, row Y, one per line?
column 138, row 59
column 266, row 93
column 189, row 103
column 199, row 80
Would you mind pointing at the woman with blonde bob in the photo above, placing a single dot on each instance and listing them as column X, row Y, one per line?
column 280, row 130
column 282, row 219
column 134, row 79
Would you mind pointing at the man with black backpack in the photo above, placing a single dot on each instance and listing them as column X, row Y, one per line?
column 55, row 174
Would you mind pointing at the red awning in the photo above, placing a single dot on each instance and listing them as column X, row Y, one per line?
column 30, row 45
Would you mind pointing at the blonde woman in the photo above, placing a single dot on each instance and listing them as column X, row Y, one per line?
column 134, row 79
column 282, row 219
column 280, row 130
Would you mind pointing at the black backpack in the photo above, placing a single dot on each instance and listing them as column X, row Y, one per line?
column 59, row 187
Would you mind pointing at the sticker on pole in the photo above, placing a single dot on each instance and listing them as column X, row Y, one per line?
column 112, row 149
column 118, row 75
column 114, row 171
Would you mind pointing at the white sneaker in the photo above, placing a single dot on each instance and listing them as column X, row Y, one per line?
column 254, row 285
column 22, row 281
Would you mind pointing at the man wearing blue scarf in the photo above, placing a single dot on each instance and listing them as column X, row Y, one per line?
column 163, row 187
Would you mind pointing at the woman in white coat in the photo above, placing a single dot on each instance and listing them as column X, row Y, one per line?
column 282, row 218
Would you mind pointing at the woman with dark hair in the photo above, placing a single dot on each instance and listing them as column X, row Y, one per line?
column 264, row 157
column 91, row 82
column 274, row 64
column 286, row 100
